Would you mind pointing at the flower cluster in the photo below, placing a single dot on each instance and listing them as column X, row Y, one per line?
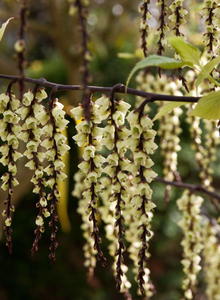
column 141, row 144
column 55, row 143
column 198, row 147
column 113, row 181
column 144, row 26
column 205, row 149
column 34, row 116
column 169, row 132
column 115, row 139
column 162, row 26
column 177, row 16
column 28, row 121
column 88, row 136
column 211, row 14
column 211, row 256
column 169, row 129
column 190, row 206
column 211, row 144
column 10, row 130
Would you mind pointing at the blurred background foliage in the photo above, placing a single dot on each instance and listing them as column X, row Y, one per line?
column 53, row 45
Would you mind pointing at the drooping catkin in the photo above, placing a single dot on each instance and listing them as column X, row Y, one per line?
column 109, row 180
column 10, row 129
column 204, row 142
column 211, row 14
column 34, row 116
column 162, row 27
column 177, row 16
column 88, row 136
column 169, row 128
column 211, row 257
column 140, row 209
column 190, row 223
column 115, row 140
column 56, row 145
column 144, row 26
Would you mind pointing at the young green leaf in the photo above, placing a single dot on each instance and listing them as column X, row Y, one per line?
column 206, row 70
column 208, row 107
column 187, row 52
column 156, row 61
column 167, row 108
column 3, row 27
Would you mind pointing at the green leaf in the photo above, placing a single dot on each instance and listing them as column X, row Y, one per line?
column 156, row 61
column 167, row 108
column 208, row 107
column 3, row 27
column 187, row 52
column 206, row 70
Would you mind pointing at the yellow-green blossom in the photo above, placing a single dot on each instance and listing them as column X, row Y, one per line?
column 190, row 207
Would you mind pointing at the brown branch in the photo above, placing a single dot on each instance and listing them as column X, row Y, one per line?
column 193, row 188
column 121, row 89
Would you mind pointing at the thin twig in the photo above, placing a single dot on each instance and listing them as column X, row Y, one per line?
column 121, row 89
column 193, row 188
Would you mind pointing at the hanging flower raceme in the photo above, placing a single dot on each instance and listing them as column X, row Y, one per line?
column 211, row 14
column 88, row 136
column 104, row 180
column 89, row 251
column 139, row 232
column 211, row 257
column 177, row 16
column 115, row 140
column 190, row 206
column 198, row 147
column 211, row 144
column 10, row 129
column 35, row 116
column 204, row 142
column 56, row 146
column 144, row 26
column 211, row 36
column 169, row 132
column 169, row 128
column 162, row 26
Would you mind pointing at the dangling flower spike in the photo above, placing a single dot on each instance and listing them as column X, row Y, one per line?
column 34, row 115
column 89, row 136
column 177, row 16
column 211, row 27
column 190, row 206
column 162, row 26
column 10, row 129
column 211, row 255
column 55, row 143
column 115, row 140
column 144, row 26
column 141, row 144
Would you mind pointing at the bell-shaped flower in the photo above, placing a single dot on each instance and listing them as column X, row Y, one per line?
column 28, row 97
